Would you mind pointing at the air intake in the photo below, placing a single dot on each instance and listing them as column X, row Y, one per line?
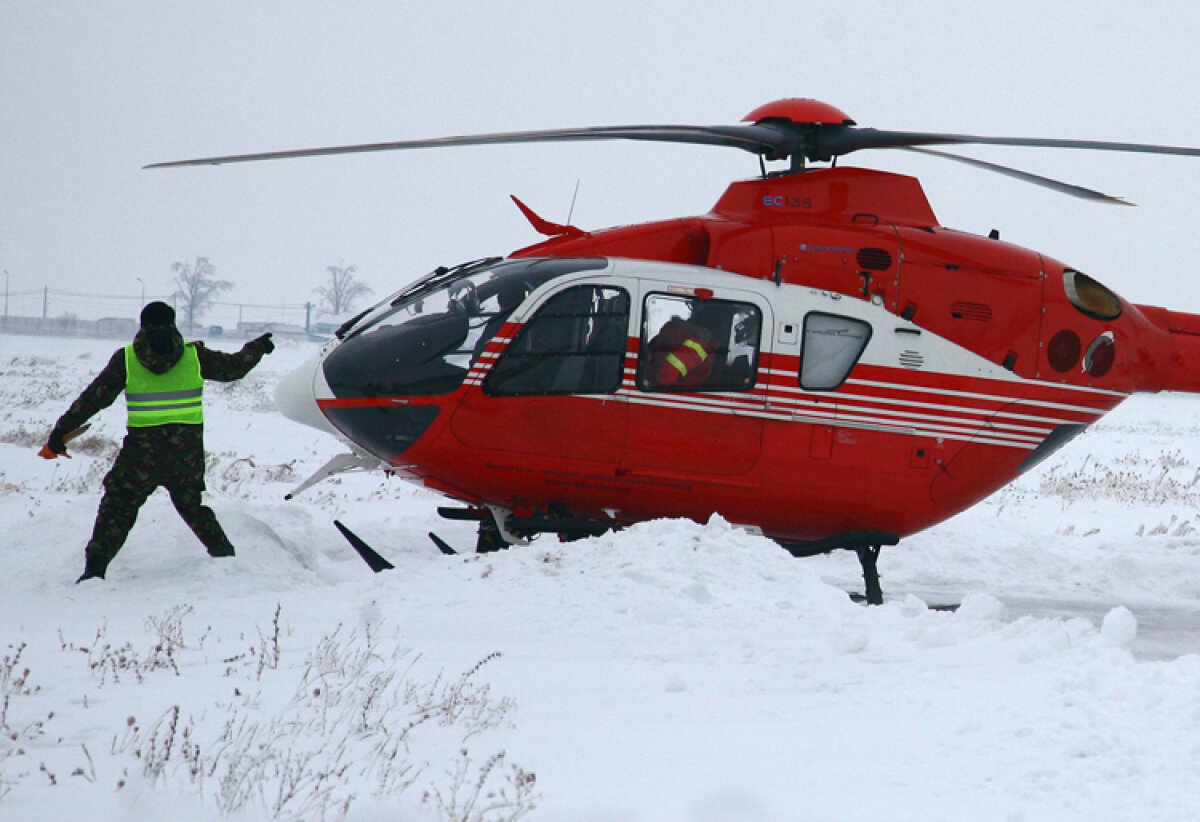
column 980, row 312
column 874, row 259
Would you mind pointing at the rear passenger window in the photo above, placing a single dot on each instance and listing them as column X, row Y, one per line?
column 832, row 345
column 689, row 344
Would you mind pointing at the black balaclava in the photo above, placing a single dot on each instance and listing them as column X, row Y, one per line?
column 158, row 321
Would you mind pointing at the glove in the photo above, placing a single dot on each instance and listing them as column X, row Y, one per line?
column 54, row 447
column 265, row 342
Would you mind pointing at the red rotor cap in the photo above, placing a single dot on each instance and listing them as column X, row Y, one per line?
column 799, row 110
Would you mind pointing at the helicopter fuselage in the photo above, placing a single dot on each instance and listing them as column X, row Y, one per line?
column 864, row 368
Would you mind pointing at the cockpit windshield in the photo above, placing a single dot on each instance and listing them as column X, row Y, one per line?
column 430, row 282
column 424, row 339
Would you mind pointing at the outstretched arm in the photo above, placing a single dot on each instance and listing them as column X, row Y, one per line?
column 224, row 367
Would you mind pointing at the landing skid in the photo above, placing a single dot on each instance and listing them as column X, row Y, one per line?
column 368, row 554
column 499, row 528
column 490, row 537
column 489, row 540
column 442, row 545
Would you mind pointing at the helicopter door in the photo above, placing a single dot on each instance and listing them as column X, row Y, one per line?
column 697, row 405
column 553, row 390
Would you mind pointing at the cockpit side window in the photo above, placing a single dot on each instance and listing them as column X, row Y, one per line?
column 831, row 348
column 573, row 344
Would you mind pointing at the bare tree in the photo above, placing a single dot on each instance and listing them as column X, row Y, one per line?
column 198, row 287
column 339, row 294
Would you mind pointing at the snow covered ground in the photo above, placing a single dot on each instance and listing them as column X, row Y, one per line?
column 675, row 671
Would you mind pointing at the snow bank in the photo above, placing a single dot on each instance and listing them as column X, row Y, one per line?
column 674, row 671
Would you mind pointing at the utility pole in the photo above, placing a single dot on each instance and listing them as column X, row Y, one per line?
column 6, row 299
column 307, row 318
column 140, row 280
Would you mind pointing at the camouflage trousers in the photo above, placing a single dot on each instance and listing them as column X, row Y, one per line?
column 171, row 456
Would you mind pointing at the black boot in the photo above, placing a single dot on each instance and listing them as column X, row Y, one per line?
column 93, row 568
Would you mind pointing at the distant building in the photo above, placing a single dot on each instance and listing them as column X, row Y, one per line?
column 256, row 329
column 116, row 327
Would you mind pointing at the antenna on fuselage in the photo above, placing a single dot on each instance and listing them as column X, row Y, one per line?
column 571, row 210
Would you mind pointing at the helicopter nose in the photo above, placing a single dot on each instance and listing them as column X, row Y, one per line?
column 296, row 395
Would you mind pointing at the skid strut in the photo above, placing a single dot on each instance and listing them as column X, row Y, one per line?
column 866, row 544
column 868, row 557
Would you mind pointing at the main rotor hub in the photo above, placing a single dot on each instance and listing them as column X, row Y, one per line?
column 799, row 110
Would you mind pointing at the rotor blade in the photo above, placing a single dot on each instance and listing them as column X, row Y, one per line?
column 845, row 139
column 756, row 138
column 1045, row 182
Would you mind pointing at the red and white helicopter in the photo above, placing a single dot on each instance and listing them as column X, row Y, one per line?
column 816, row 358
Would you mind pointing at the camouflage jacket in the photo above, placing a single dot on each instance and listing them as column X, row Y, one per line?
column 110, row 383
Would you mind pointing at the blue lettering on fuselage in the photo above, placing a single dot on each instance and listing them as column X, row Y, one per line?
column 786, row 201
column 832, row 248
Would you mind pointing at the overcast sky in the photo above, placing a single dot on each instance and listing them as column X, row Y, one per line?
column 90, row 92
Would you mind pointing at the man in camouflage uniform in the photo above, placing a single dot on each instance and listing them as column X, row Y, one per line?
column 162, row 378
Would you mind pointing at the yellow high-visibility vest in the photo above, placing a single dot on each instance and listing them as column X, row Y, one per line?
column 158, row 399
column 679, row 365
